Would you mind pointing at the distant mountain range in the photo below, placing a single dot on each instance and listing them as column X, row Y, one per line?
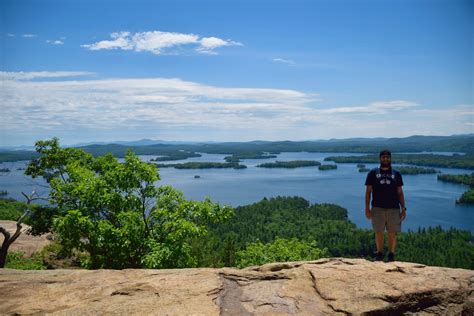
column 412, row 144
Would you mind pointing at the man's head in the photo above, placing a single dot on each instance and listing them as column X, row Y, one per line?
column 385, row 158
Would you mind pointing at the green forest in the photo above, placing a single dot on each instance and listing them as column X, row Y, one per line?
column 109, row 214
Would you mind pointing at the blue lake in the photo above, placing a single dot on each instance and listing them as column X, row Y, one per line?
column 430, row 202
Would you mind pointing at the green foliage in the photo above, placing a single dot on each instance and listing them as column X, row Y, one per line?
column 11, row 210
column 467, row 197
column 437, row 247
column 467, row 179
column 17, row 260
column 40, row 217
column 203, row 165
column 327, row 167
column 290, row 164
column 113, row 212
column 280, row 250
column 364, row 169
column 294, row 217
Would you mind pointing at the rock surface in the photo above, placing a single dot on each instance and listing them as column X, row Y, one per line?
column 25, row 243
column 333, row 286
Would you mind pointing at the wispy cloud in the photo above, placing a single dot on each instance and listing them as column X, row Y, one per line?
column 209, row 44
column 55, row 42
column 19, row 76
column 284, row 61
column 178, row 108
column 29, row 35
column 159, row 43
column 11, row 35
column 372, row 108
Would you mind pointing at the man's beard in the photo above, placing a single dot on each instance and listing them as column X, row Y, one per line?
column 385, row 164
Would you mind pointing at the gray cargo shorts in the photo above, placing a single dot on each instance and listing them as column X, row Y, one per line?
column 386, row 218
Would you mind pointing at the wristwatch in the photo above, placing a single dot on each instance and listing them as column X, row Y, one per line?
column 404, row 209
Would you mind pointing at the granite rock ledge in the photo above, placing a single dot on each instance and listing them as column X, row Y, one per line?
column 334, row 286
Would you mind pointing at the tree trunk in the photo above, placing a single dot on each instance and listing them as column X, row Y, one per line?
column 5, row 246
column 8, row 241
column 3, row 256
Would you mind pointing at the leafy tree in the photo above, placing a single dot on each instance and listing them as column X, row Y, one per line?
column 112, row 210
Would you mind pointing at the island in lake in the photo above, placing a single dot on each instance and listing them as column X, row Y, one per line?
column 327, row 167
column 290, row 164
column 468, row 196
column 203, row 165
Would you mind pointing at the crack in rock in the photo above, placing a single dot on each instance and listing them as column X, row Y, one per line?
column 396, row 269
column 315, row 286
column 419, row 302
column 229, row 299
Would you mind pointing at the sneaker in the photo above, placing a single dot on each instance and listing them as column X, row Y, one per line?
column 379, row 256
column 391, row 257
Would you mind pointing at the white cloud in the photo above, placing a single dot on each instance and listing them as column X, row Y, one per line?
column 10, row 35
column 284, row 61
column 120, row 40
column 55, row 42
column 208, row 44
column 185, row 110
column 29, row 35
column 159, row 43
column 5, row 75
column 374, row 108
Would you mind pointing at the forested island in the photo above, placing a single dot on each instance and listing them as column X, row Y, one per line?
column 468, row 196
column 405, row 170
column 203, row 165
column 290, row 164
column 327, row 167
column 177, row 155
column 414, row 170
column 238, row 157
column 429, row 160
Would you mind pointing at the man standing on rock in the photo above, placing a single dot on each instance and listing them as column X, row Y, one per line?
column 384, row 185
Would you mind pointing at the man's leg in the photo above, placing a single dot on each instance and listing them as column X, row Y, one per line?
column 392, row 241
column 379, row 236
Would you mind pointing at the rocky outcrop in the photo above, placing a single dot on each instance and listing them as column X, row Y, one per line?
column 329, row 286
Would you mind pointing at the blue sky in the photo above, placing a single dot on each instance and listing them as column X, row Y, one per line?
column 234, row 70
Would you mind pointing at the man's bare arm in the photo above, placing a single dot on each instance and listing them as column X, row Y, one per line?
column 401, row 198
column 368, row 193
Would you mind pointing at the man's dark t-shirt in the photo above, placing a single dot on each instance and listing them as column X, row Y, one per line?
column 384, row 187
